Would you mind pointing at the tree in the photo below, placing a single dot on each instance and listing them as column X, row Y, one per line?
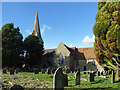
column 107, row 34
column 12, row 49
column 34, row 50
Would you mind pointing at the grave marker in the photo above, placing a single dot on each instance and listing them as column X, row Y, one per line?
column 58, row 79
column 77, row 78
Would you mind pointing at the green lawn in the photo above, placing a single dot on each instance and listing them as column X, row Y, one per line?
column 31, row 80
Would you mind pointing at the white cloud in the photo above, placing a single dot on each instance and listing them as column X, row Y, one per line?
column 28, row 31
column 88, row 41
column 44, row 27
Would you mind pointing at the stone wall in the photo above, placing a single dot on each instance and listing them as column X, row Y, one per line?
column 90, row 64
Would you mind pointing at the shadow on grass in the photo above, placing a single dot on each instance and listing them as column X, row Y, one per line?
column 98, row 88
column 98, row 81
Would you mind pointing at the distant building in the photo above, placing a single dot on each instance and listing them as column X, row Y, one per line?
column 72, row 57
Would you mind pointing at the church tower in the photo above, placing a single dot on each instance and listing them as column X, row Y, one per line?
column 36, row 29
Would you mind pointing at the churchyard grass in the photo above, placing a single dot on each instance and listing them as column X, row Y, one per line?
column 31, row 80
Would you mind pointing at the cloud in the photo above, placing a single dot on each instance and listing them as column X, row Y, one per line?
column 28, row 31
column 88, row 41
column 44, row 28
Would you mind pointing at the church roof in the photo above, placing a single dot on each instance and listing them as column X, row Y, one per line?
column 81, row 53
column 85, row 53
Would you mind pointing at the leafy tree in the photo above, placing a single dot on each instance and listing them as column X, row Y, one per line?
column 34, row 50
column 107, row 34
column 12, row 49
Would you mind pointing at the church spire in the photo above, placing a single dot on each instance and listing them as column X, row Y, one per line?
column 36, row 28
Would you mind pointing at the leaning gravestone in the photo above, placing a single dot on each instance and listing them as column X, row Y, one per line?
column 65, row 79
column 91, row 77
column 53, row 70
column 48, row 71
column 58, row 79
column 77, row 78
column 12, row 71
column 4, row 71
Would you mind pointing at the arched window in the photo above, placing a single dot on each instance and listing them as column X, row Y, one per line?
column 60, row 59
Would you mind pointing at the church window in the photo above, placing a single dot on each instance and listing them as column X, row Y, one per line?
column 61, row 59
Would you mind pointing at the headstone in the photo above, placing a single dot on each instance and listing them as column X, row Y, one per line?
column 110, row 72
column 53, row 70
column 113, row 77
column 43, row 71
column 91, row 77
column 4, row 70
column 65, row 80
column 58, row 79
column 72, row 70
column 84, row 68
column 77, row 78
column 12, row 71
column 67, row 70
column 17, row 87
column 75, row 70
column 48, row 71
column 17, row 70
column 101, row 72
column 36, row 71
column 78, row 69
column 98, row 73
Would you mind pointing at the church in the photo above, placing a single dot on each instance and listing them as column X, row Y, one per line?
column 64, row 56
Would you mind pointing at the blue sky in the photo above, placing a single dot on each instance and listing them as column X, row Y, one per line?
column 67, row 22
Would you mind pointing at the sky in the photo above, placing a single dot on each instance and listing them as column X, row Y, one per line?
column 67, row 22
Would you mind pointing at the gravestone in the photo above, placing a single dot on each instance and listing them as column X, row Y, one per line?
column 48, row 71
column 65, row 80
column 72, row 70
column 43, row 71
column 98, row 73
column 67, row 70
column 12, row 71
column 16, row 87
column 101, row 73
column 58, row 80
column 78, row 69
column 91, row 77
column 113, row 77
column 77, row 78
column 84, row 68
column 4, row 70
column 75, row 70
column 16, row 70
column 53, row 70
column 36, row 71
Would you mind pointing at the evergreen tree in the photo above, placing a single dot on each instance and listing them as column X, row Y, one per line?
column 12, row 49
column 107, row 34
column 34, row 50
